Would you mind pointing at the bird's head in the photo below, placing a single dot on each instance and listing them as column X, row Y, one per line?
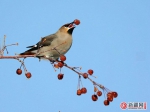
column 68, row 28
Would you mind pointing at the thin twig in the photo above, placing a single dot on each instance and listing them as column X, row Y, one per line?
column 22, row 64
column 80, row 74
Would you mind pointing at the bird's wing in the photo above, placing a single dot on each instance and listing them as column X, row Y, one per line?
column 45, row 41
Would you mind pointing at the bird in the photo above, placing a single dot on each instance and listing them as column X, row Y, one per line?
column 51, row 47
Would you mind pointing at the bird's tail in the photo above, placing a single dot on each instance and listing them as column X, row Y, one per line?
column 27, row 53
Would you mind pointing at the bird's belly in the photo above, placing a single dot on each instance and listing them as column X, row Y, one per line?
column 56, row 49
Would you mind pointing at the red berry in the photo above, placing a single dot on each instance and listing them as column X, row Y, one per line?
column 76, row 21
column 94, row 97
column 90, row 71
column 85, row 75
column 84, row 90
column 109, row 94
column 28, row 75
column 106, row 102
column 99, row 93
column 60, row 64
column 62, row 58
column 79, row 92
column 19, row 71
column 115, row 94
column 110, row 99
column 60, row 76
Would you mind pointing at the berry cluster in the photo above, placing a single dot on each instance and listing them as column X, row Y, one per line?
column 19, row 71
column 27, row 74
column 97, row 93
column 60, row 64
column 83, row 90
column 110, row 96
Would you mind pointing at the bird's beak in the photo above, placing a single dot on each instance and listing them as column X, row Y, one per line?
column 71, row 25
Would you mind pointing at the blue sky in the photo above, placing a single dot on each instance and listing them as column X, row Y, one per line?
column 113, row 39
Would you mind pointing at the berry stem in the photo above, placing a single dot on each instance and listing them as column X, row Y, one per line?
column 80, row 74
column 22, row 64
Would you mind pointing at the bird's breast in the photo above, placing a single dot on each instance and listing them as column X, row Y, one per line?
column 63, row 43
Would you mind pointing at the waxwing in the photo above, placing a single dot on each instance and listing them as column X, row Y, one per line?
column 54, row 45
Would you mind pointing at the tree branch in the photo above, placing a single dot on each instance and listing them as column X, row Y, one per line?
column 59, row 64
column 17, row 56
